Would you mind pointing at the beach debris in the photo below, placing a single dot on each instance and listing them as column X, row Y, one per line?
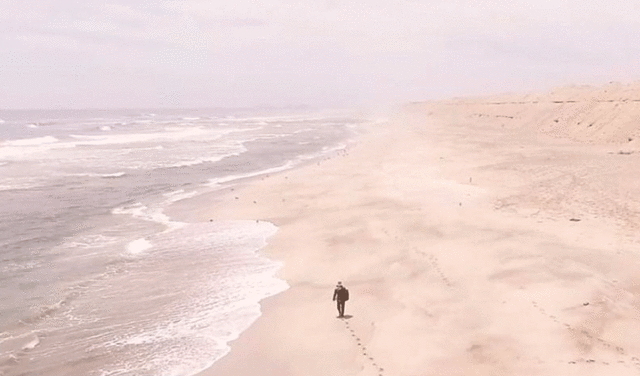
column 575, row 219
column 585, row 303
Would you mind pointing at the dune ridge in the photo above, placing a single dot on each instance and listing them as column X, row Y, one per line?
column 595, row 115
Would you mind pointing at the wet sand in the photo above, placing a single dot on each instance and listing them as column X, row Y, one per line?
column 476, row 236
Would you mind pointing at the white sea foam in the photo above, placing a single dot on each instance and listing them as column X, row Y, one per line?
column 105, row 128
column 31, row 141
column 171, row 135
column 1, row 121
column 329, row 149
column 90, row 242
column 179, row 195
column 32, row 344
column 7, row 184
column 188, row 328
column 32, row 125
column 216, row 182
column 97, row 175
column 198, row 161
column 136, row 247
column 126, row 151
column 143, row 212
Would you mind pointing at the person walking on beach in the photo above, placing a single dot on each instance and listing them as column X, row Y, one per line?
column 341, row 295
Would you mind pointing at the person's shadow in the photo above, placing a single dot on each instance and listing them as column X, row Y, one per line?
column 347, row 317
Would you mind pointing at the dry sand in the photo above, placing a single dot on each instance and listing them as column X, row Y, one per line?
column 486, row 236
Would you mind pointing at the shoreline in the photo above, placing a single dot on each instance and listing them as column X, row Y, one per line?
column 450, row 229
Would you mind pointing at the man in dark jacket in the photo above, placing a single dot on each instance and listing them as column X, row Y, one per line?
column 341, row 295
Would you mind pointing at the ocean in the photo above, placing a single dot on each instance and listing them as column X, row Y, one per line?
column 95, row 278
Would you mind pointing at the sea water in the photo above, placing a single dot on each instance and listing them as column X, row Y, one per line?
column 95, row 278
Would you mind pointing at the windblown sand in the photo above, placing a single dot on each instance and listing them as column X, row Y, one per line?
column 486, row 236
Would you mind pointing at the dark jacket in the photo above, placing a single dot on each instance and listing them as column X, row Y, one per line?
column 341, row 294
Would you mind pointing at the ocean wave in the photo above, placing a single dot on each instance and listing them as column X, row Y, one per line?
column 198, row 161
column 32, row 344
column 275, row 118
column 89, row 241
column 12, row 267
column 98, row 175
column 171, row 134
column 114, row 175
column 179, row 195
column 48, row 310
column 304, row 130
column 32, row 141
column 105, row 128
column 9, row 184
column 216, row 182
column 143, row 212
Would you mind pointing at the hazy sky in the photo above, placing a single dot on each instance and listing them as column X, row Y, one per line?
column 192, row 53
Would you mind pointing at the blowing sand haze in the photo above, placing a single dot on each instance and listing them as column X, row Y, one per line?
column 487, row 236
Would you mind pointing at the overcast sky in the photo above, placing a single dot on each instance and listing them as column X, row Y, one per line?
column 192, row 53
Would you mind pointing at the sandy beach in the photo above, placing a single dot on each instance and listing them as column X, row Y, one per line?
column 477, row 236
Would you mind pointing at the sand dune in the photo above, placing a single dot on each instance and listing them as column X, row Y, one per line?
column 477, row 237
column 609, row 114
